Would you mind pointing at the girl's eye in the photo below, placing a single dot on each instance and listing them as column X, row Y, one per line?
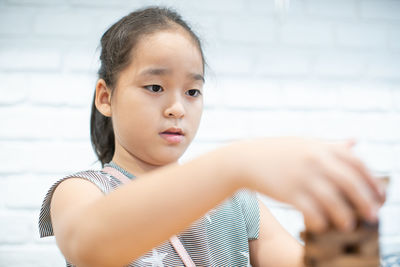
column 154, row 88
column 193, row 92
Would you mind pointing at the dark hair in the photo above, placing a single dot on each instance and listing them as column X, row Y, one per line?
column 117, row 44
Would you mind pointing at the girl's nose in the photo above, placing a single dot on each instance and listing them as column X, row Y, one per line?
column 175, row 110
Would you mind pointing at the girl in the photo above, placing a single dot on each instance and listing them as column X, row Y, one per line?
column 146, row 111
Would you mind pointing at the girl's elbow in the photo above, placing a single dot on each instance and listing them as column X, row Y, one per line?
column 82, row 248
column 84, row 253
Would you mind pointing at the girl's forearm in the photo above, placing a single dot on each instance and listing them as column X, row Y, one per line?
column 153, row 207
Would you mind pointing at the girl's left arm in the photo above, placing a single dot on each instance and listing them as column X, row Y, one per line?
column 274, row 246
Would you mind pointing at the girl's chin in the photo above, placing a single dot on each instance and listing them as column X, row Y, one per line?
column 163, row 156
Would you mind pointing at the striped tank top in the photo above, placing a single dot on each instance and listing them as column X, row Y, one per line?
column 219, row 238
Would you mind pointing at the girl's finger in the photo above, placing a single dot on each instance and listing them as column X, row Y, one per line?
column 350, row 182
column 314, row 218
column 346, row 156
column 331, row 200
column 350, row 143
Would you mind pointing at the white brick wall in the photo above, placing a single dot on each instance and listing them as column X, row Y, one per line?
column 329, row 69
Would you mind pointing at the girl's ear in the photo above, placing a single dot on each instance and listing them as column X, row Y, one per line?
column 103, row 98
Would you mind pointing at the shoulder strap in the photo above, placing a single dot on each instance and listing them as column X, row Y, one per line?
column 117, row 174
column 176, row 243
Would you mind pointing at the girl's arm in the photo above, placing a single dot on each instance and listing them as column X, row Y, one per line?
column 274, row 246
column 93, row 229
column 96, row 230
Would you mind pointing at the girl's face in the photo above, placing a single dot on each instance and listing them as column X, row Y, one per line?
column 157, row 103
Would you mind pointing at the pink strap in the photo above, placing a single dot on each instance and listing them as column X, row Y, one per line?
column 176, row 243
column 117, row 174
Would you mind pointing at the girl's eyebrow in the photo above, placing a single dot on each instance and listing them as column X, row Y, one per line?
column 165, row 71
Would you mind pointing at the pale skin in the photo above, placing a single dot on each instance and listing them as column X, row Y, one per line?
column 319, row 177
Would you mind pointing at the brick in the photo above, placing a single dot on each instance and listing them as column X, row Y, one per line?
column 280, row 62
column 389, row 244
column 212, row 93
column 389, row 130
column 339, row 64
column 377, row 157
column 105, row 17
column 246, row 30
column 206, row 27
column 232, row 64
column 44, row 122
column 397, row 157
column 307, row 33
column 43, row 256
column 367, row 97
column 3, row 184
column 258, row 7
column 233, row 124
column 30, row 199
column 14, row 88
column 15, row 21
column 63, row 89
column 37, row 2
column 324, row 125
column 333, row 9
column 396, row 99
column 11, row 154
column 389, row 219
column 54, row 23
column 126, row 5
column 384, row 66
column 280, row 123
column 394, row 37
column 295, row 8
column 333, row 125
column 365, row 35
column 220, row 7
column 198, row 148
column 378, row 127
column 273, row 123
column 268, row 8
column 16, row 227
column 221, row 125
column 310, row 95
column 64, row 157
column 83, row 60
column 393, row 191
column 386, row 9
column 55, row 157
column 254, row 94
column 14, row 59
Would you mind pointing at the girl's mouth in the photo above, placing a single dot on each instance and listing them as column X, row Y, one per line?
column 173, row 138
column 173, row 135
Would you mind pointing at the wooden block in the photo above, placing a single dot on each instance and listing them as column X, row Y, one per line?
column 351, row 261
column 333, row 248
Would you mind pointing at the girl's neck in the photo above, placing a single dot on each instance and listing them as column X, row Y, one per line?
column 131, row 163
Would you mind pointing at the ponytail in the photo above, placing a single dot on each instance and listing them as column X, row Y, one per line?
column 101, row 135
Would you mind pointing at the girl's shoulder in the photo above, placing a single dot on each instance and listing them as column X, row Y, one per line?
column 100, row 179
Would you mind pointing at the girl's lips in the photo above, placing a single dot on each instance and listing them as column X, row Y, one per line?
column 172, row 137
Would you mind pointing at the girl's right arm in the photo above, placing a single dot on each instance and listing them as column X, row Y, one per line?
column 93, row 229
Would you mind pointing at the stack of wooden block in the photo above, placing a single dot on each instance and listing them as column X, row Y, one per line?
column 334, row 248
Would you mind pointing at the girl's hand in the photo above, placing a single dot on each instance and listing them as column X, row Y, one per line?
column 326, row 182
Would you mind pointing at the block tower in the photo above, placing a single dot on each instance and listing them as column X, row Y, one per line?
column 334, row 248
